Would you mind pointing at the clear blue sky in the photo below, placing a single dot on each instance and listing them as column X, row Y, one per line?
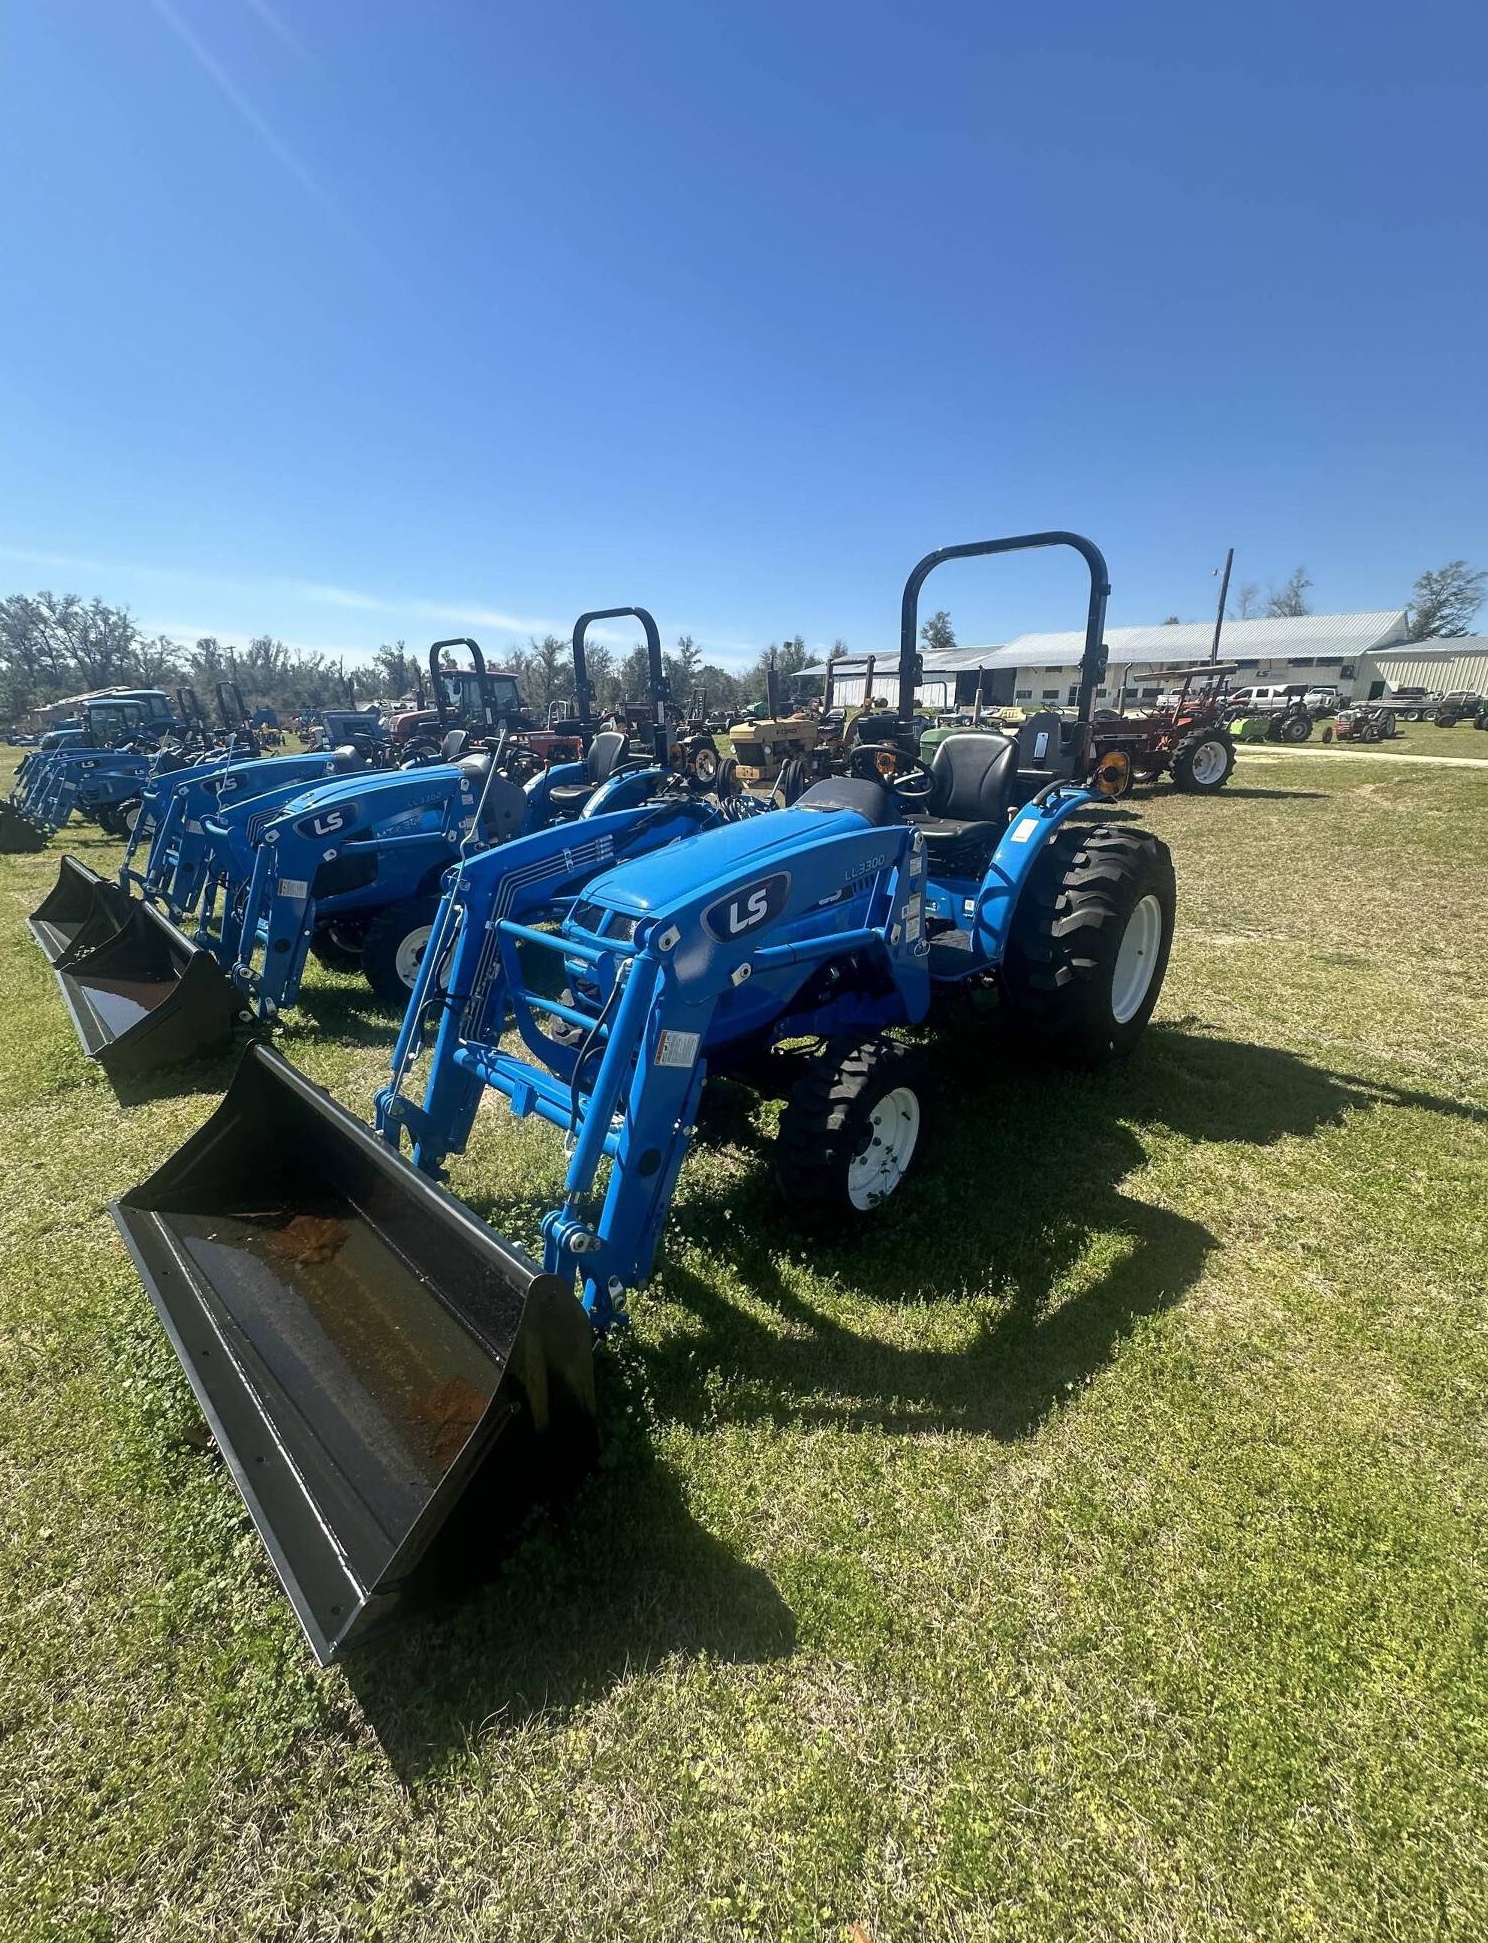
column 346, row 320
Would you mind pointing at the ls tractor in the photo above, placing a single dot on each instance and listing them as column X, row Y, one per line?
column 392, row 1382
column 254, row 867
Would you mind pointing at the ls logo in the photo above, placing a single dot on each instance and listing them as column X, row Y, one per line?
column 741, row 912
column 327, row 823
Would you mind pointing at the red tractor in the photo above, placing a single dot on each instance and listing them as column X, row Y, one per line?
column 1183, row 736
column 476, row 698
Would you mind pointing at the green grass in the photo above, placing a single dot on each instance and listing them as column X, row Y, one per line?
column 1097, row 1552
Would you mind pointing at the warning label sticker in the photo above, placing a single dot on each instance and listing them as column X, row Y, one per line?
column 294, row 887
column 677, row 1049
column 1024, row 830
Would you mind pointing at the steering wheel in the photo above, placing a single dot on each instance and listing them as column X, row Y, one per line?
column 905, row 777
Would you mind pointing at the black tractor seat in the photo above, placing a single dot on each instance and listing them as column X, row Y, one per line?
column 606, row 752
column 869, row 799
column 972, row 776
column 504, row 803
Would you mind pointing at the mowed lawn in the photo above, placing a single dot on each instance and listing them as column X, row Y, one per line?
column 1096, row 1550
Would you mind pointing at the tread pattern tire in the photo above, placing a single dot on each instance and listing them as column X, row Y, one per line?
column 1067, row 932
column 1183, row 762
column 825, row 1121
column 385, row 934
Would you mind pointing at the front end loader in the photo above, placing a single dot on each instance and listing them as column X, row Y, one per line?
column 390, row 1383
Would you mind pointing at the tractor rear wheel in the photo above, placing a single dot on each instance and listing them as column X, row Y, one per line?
column 1204, row 763
column 394, row 947
column 1296, row 728
column 850, row 1132
column 339, row 945
column 1090, row 940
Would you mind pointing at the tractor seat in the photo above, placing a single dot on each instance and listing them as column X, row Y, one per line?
column 504, row 803
column 605, row 754
column 972, row 775
column 868, row 799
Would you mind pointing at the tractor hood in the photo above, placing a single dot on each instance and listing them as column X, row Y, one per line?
column 432, row 785
column 677, row 875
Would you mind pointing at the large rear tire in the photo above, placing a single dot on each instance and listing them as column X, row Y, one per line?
column 1090, row 941
column 339, row 946
column 394, row 946
column 850, row 1132
column 1205, row 763
column 1296, row 728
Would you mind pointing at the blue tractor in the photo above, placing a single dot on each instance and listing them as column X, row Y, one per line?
column 391, row 1381
column 349, row 867
column 90, row 766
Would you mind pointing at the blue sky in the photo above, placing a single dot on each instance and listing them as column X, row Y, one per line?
column 356, row 321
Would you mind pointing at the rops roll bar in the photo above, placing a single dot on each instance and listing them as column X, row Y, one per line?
column 436, row 686
column 660, row 687
column 1093, row 661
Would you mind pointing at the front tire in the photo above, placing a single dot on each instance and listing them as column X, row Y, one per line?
column 394, row 947
column 851, row 1131
column 1089, row 944
column 1205, row 763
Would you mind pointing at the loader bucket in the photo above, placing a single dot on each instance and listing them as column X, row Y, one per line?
column 390, row 1382
column 148, row 998
column 81, row 911
column 18, row 833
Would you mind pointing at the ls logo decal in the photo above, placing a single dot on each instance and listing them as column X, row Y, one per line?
column 327, row 823
column 741, row 912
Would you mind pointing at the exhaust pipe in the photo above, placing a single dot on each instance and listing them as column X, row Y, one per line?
column 80, row 912
column 148, row 998
column 390, row 1382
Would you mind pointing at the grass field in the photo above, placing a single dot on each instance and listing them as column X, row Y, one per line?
column 1099, row 1552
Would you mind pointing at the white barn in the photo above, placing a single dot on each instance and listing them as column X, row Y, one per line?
column 1333, row 650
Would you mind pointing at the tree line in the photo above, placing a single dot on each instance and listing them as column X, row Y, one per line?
column 1442, row 604
column 54, row 645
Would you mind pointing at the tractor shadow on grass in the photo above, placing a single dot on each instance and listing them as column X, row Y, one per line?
column 1017, row 1214
column 617, row 1582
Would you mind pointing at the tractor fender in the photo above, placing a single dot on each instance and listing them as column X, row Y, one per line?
column 1018, row 851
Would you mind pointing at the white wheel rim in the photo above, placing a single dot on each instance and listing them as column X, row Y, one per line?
column 410, row 954
column 1136, row 960
column 1208, row 762
column 894, row 1131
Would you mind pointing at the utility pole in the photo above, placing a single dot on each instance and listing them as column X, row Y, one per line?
column 1224, row 594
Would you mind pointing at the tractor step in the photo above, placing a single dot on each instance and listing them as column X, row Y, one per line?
column 148, row 998
column 80, row 912
column 390, row 1382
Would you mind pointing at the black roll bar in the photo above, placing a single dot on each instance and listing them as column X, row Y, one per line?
column 441, row 712
column 1093, row 661
column 661, row 693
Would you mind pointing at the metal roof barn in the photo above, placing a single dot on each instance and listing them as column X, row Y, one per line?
column 1443, row 666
